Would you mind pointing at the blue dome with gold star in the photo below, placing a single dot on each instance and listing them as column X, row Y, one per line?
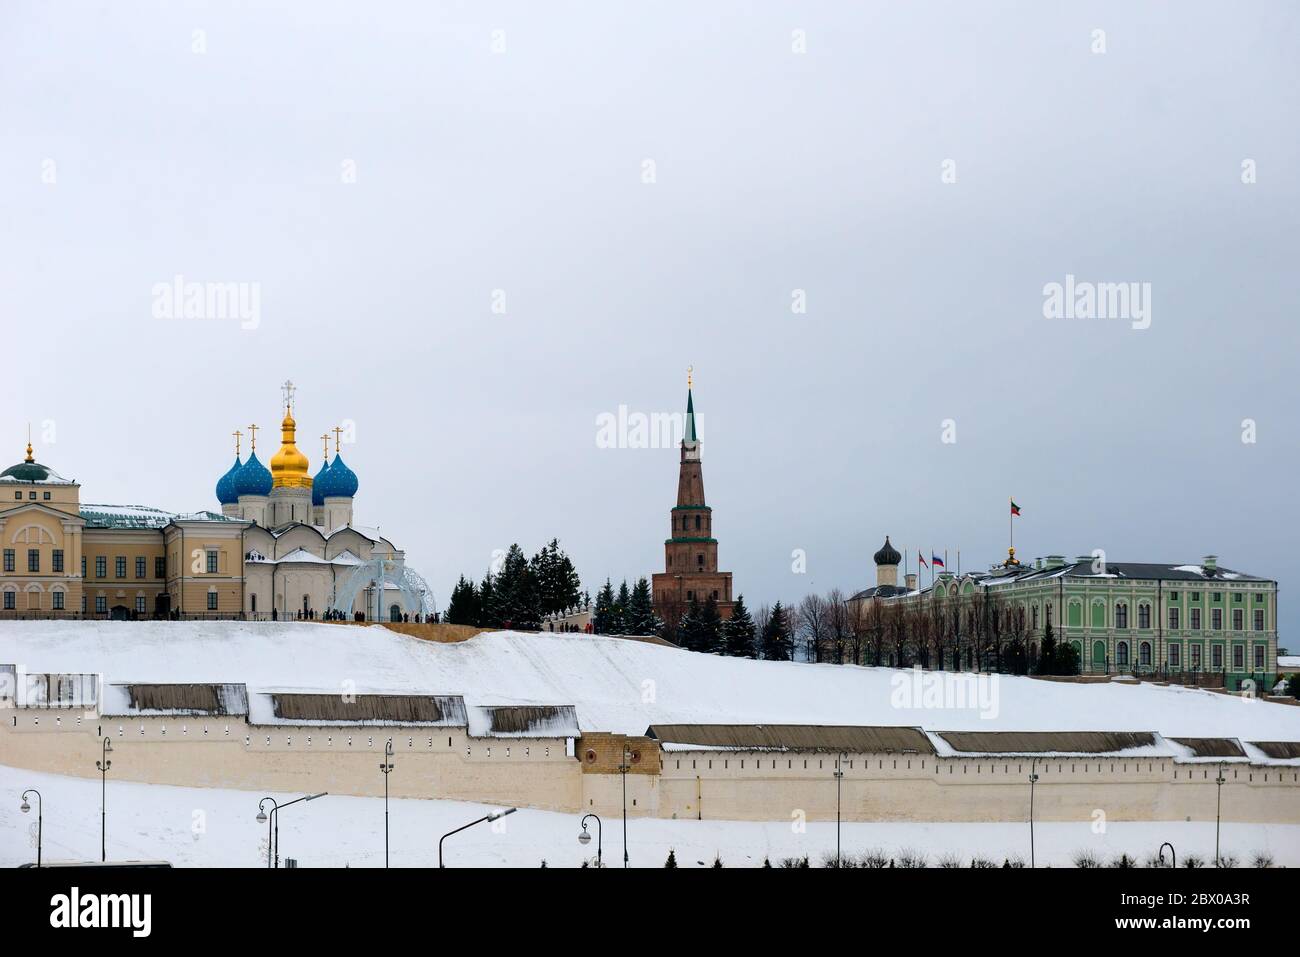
column 318, row 484
column 253, row 478
column 226, row 493
column 338, row 481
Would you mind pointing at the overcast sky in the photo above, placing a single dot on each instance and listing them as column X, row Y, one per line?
column 382, row 174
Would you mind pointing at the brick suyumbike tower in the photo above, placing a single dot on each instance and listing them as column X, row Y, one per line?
column 691, row 554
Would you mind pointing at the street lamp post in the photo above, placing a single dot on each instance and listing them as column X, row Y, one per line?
column 1173, row 858
column 584, row 838
column 102, row 765
column 490, row 816
column 263, row 818
column 387, row 767
column 40, row 813
column 623, row 768
column 273, row 820
column 839, row 784
column 1218, row 807
column 1033, row 779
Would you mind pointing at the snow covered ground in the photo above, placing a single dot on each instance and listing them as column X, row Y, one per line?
column 617, row 685
column 207, row 827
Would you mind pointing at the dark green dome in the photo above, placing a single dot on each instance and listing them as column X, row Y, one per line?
column 888, row 554
column 30, row 472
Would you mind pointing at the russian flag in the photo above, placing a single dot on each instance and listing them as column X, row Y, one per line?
column 921, row 558
column 936, row 561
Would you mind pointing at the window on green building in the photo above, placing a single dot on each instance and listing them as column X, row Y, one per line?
column 1173, row 619
column 1259, row 619
column 1238, row 657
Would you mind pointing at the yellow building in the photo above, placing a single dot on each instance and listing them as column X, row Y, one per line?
column 283, row 546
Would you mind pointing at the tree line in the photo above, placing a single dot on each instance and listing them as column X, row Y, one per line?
column 979, row 632
column 522, row 593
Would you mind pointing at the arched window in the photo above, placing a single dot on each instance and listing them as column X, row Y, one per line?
column 1121, row 614
column 1121, row 654
column 1144, row 616
column 699, row 559
column 1144, row 654
column 253, row 602
column 1034, row 626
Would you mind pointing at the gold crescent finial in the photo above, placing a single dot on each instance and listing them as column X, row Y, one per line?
column 237, row 434
column 252, row 432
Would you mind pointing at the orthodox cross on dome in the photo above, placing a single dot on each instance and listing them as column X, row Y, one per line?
column 338, row 443
column 288, row 389
column 252, row 431
column 237, row 434
column 326, row 439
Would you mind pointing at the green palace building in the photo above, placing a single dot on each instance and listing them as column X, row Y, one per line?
column 1199, row 621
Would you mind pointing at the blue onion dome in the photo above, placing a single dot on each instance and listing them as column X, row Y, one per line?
column 226, row 493
column 340, row 481
column 318, row 486
column 253, row 479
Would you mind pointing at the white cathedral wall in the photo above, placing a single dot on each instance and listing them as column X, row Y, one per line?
column 338, row 512
column 252, row 508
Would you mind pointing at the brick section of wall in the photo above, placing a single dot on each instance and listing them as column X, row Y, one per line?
column 602, row 753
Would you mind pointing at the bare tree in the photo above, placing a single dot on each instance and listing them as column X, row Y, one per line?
column 837, row 621
column 811, row 625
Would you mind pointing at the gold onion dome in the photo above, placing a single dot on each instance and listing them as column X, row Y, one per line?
column 289, row 468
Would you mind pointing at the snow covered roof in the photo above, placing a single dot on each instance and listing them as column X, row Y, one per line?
column 142, row 516
column 1054, row 743
column 524, row 721
column 124, row 516
column 857, row 739
column 1147, row 571
column 174, row 699
column 336, row 708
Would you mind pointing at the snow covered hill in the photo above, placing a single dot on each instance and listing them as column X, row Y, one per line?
column 616, row 684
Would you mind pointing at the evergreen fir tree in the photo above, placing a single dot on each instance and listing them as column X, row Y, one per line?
column 738, row 632
column 601, row 618
column 488, row 612
column 622, row 605
column 777, row 642
column 517, row 599
column 463, row 608
column 1047, row 660
column 641, row 618
column 710, row 628
column 671, row 863
column 688, row 630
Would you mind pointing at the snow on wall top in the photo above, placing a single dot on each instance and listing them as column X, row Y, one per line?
column 623, row 686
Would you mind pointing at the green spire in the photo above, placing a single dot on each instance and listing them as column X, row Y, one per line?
column 690, row 416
